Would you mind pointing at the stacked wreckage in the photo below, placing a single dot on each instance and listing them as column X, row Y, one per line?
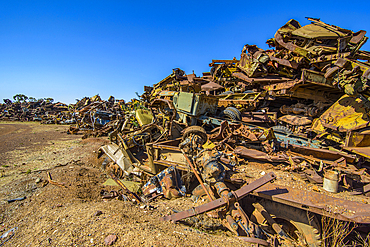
column 300, row 108
column 42, row 110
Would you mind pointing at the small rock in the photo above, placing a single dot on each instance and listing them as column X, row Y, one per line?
column 38, row 180
column 97, row 213
column 143, row 206
column 110, row 240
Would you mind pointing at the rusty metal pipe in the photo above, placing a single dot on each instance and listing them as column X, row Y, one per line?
column 196, row 174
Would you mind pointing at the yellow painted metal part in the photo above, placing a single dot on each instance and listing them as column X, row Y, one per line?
column 355, row 139
column 317, row 126
column 143, row 117
column 208, row 145
column 96, row 98
column 132, row 186
column 346, row 114
column 334, row 137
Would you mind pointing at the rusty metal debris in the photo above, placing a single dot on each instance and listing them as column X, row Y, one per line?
column 166, row 183
column 51, row 181
column 300, row 108
column 227, row 199
column 25, row 108
column 131, row 194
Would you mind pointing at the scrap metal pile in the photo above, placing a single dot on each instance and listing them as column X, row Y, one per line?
column 30, row 109
column 301, row 106
column 89, row 115
column 96, row 117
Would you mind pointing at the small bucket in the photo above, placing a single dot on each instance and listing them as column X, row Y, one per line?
column 331, row 181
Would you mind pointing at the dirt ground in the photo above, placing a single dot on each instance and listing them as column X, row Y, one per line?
column 53, row 215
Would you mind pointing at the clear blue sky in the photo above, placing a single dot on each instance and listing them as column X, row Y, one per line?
column 71, row 49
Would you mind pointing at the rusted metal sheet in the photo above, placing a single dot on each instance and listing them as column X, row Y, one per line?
column 115, row 153
column 316, row 202
column 259, row 155
column 363, row 151
column 321, row 153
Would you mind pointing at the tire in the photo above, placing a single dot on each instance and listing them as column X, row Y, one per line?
column 236, row 111
column 282, row 129
column 231, row 114
column 305, row 228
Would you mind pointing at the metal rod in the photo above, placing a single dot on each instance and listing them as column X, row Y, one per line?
column 197, row 175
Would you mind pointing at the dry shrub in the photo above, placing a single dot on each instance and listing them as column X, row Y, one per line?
column 334, row 231
column 362, row 240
